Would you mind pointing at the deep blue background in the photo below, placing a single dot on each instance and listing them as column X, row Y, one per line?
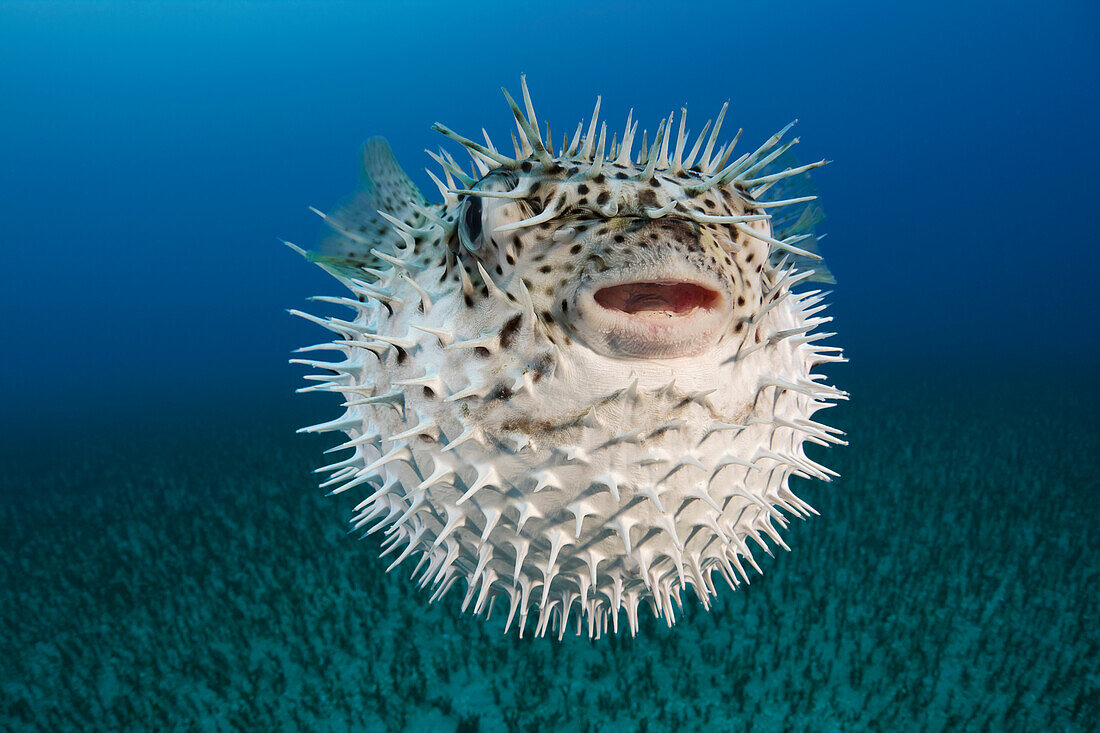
column 152, row 153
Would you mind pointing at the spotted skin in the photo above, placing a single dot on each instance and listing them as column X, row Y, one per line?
column 583, row 381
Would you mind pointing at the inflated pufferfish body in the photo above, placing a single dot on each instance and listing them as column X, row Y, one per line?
column 583, row 380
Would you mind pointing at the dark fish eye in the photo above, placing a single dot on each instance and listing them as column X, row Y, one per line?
column 472, row 218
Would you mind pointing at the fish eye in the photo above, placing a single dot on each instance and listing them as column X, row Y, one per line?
column 472, row 218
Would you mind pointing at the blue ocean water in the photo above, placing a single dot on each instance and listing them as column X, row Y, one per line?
column 153, row 154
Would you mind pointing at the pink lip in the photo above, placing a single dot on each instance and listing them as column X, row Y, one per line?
column 656, row 298
column 659, row 318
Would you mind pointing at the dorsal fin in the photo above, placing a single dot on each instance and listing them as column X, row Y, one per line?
column 801, row 218
column 356, row 225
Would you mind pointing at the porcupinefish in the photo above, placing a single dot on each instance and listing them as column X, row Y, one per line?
column 583, row 380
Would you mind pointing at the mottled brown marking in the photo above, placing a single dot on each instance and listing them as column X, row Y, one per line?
column 508, row 331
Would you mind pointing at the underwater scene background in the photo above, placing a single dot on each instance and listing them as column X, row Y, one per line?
column 166, row 559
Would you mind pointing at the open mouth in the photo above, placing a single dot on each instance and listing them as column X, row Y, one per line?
column 652, row 318
column 656, row 299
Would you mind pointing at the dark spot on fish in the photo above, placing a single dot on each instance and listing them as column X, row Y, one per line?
column 545, row 362
column 658, row 432
column 602, row 198
column 531, row 427
column 508, row 331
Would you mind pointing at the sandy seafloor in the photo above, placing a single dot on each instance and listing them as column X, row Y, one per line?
column 186, row 574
